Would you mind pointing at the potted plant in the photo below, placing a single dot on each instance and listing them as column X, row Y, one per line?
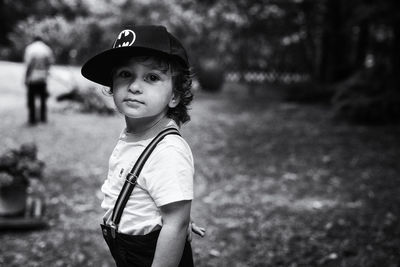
column 17, row 167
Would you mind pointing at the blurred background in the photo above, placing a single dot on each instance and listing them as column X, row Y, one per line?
column 294, row 128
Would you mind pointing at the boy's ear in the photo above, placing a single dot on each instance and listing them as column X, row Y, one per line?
column 174, row 101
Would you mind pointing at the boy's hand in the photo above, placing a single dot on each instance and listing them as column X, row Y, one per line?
column 195, row 229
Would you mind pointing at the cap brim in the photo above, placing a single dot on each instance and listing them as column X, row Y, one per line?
column 99, row 68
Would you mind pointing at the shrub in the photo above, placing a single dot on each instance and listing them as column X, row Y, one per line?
column 210, row 75
column 18, row 166
column 308, row 92
column 87, row 101
column 367, row 98
column 72, row 41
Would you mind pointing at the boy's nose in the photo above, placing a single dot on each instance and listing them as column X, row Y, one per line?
column 134, row 87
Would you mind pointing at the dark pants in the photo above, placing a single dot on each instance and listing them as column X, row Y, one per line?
column 37, row 90
column 138, row 250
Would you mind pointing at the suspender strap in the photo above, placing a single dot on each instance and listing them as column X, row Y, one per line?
column 130, row 180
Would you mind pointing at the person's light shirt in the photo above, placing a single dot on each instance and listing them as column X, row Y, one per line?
column 166, row 177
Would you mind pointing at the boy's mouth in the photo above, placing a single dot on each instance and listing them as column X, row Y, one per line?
column 131, row 100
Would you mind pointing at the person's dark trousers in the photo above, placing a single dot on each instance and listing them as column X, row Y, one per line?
column 139, row 250
column 37, row 90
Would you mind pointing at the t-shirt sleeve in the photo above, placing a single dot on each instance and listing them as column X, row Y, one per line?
column 169, row 177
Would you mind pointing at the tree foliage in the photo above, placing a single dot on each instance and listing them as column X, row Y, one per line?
column 329, row 40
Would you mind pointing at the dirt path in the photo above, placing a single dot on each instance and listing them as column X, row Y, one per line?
column 277, row 184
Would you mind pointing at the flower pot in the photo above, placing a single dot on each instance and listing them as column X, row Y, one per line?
column 12, row 200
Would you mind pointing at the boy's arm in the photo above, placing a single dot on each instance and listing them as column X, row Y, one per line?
column 171, row 241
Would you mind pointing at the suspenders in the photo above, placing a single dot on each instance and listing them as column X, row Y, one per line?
column 130, row 180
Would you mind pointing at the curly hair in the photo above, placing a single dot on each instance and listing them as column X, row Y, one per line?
column 181, row 83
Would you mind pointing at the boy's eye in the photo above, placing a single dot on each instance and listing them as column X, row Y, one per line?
column 152, row 77
column 124, row 74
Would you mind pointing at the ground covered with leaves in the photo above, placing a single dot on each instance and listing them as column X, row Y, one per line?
column 277, row 184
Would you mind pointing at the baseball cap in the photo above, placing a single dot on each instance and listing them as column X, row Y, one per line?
column 137, row 40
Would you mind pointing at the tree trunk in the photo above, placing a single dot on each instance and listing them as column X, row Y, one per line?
column 362, row 45
column 396, row 55
column 334, row 59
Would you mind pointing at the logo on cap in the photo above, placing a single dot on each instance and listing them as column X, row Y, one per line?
column 125, row 38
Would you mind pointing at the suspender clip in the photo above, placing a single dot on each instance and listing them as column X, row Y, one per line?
column 114, row 229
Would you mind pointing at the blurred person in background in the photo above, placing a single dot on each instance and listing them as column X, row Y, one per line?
column 38, row 58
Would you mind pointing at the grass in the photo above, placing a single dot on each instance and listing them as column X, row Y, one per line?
column 277, row 184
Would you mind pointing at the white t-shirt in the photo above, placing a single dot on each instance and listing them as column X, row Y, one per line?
column 166, row 177
column 38, row 58
column 38, row 49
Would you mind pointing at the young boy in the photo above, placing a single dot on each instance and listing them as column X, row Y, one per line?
column 147, row 70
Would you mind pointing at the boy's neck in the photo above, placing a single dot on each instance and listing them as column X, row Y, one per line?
column 144, row 126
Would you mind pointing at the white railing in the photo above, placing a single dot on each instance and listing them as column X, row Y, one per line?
column 263, row 77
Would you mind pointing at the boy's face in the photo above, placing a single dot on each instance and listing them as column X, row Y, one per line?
column 143, row 90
